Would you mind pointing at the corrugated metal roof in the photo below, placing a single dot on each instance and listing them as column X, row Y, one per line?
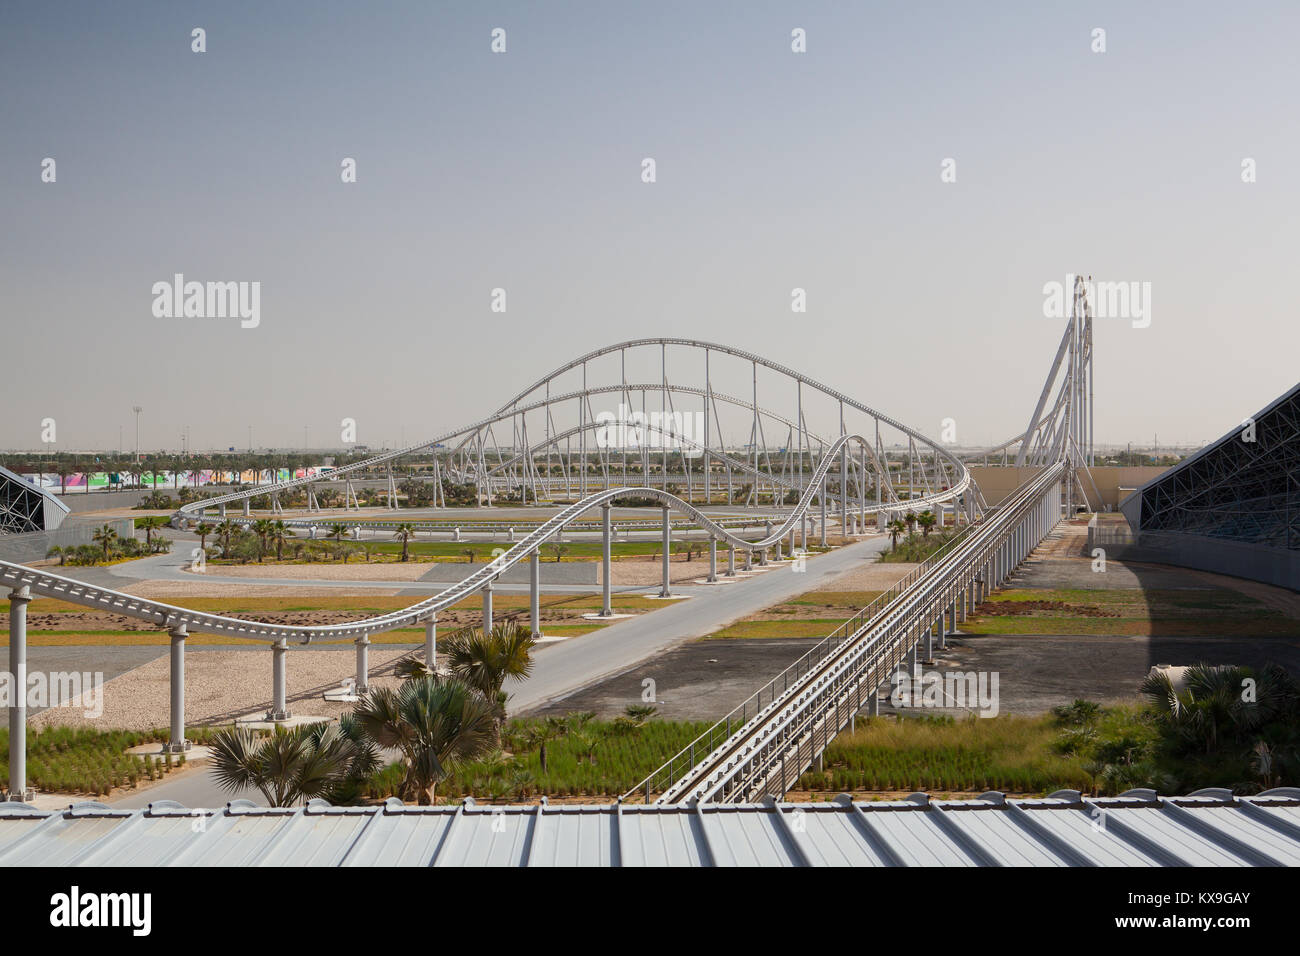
column 1139, row 828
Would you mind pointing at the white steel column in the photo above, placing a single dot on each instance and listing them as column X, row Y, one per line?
column 606, row 609
column 363, row 663
column 279, row 693
column 431, row 642
column 666, row 590
column 177, row 743
column 19, row 598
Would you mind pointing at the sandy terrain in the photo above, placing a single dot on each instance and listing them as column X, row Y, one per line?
column 169, row 590
column 222, row 685
column 868, row 577
column 356, row 571
column 645, row 573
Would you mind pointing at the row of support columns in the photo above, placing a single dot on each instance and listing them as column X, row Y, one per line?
column 1006, row 557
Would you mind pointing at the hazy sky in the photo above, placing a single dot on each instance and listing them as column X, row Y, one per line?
column 522, row 171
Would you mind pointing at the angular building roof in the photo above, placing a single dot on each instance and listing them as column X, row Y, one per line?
column 1139, row 828
column 25, row 508
column 1233, row 489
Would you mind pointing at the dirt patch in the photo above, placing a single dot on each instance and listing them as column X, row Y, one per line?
column 1029, row 608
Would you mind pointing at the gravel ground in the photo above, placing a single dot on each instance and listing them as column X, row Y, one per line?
column 868, row 577
column 223, row 684
column 355, row 571
column 166, row 590
column 111, row 662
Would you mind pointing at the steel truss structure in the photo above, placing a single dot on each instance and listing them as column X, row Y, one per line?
column 1245, row 487
column 589, row 426
column 1062, row 429
column 24, row 508
column 796, row 715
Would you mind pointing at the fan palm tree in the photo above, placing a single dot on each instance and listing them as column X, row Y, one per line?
column 203, row 529
column 294, row 765
column 404, row 533
column 436, row 724
column 150, row 525
column 486, row 661
column 1209, row 708
column 278, row 534
column 225, row 530
column 910, row 520
column 926, row 519
column 105, row 537
column 542, row 733
column 895, row 528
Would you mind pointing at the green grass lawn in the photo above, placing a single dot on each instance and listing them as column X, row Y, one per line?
column 1008, row 753
column 1013, row 754
column 80, row 760
column 812, row 614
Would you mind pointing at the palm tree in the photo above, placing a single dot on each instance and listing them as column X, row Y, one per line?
column 540, row 734
column 262, row 528
column 203, row 529
column 910, row 520
column 895, row 528
column 926, row 520
column 294, row 765
column 559, row 550
column 413, row 667
column 436, row 724
column 404, row 533
column 150, row 525
column 634, row 716
column 105, row 537
column 226, row 529
column 486, row 661
column 278, row 535
column 1208, row 710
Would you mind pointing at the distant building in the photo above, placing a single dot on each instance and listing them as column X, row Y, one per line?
column 25, row 508
column 1234, row 506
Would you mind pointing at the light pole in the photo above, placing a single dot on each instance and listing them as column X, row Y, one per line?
column 137, row 409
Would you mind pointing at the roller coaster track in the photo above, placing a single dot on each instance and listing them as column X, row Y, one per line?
column 49, row 584
column 809, row 703
column 796, row 715
column 514, row 410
